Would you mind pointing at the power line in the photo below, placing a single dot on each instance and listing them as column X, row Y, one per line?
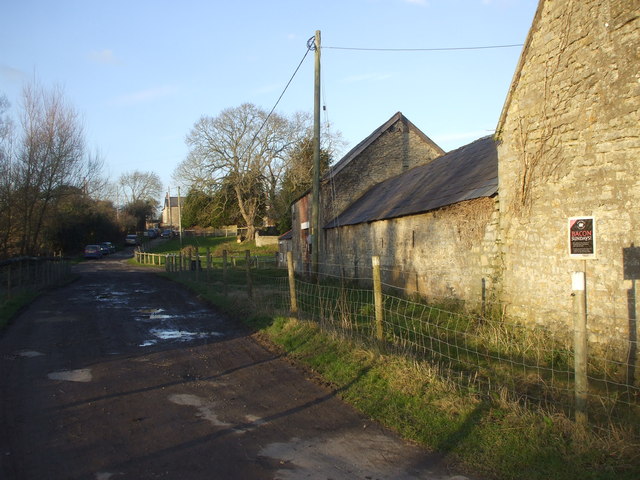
column 439, row 49
column 284, row 90
column 279, row 98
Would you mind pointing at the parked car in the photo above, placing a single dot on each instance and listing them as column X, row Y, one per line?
column 92, row 251
column 111, row 248
column 131, row 240
column 151, row 233
column 167, row 234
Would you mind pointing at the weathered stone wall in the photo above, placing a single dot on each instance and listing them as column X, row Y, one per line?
column 402, row 146
column 399, row 148
column 446, row 253
column 570, row 146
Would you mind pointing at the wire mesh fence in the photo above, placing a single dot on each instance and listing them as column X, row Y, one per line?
column 476, row 345
column 30, row 274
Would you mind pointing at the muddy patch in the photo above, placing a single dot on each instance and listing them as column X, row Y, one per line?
column 346, row 456
column 80, row 375
column 204, row 409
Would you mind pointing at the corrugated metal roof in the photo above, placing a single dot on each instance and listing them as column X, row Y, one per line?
column 463, row 174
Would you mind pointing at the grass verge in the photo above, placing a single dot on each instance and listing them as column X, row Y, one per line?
column 490, row 437
column 10, row 308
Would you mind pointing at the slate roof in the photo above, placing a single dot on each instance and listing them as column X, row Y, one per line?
column 360, row 147
column 173, row 201
column 463, row 174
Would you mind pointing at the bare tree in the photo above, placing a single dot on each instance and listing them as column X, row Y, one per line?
column 7, row 152
column 140, row 186
column 51, row 155
column 246, row 148
column 141, row 192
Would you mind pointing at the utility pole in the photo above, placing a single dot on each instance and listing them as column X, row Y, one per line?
column 179, row 217
column 315, row 204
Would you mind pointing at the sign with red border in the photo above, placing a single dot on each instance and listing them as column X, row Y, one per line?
column 582, row 237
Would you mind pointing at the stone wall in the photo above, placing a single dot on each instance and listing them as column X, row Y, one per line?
column 447, row 253
column 399, row 148
column 570, row 146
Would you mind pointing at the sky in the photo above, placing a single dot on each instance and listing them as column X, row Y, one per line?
column 140, row 73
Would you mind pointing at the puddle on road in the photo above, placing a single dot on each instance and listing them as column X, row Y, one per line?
column 176, row 335
column 30, row 354
column 80, row 375
column 153, row 314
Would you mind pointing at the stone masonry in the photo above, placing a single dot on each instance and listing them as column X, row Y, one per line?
column 570, row 146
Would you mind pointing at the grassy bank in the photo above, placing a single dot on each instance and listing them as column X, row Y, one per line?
column 494, row 437
column 10, row 308
column 215, row 244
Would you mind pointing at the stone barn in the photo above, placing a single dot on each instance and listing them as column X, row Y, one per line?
column 433, row 227
column 394, row 147
column 569, row 146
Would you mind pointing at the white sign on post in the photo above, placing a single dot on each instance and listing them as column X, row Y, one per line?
column 582, row 237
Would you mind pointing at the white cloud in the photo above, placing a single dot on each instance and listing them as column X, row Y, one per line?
column 105, row 56
column 144, row 96
column 11, row 75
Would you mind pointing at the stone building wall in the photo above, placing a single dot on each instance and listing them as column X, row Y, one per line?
column 399, row 148
column 446, row 253
column 570, row 146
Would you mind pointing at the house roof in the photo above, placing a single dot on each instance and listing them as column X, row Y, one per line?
column 173, row 202
column 463, row 174
column 360, row 147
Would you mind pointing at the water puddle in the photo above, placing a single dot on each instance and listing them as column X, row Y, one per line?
column 80, row 375
column 152, row 314
column 30, row 354
column 176, row 335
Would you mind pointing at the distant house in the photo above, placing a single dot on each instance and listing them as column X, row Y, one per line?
column 171, row 212
column 394, row 147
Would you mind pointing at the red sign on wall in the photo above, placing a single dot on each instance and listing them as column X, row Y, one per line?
column 582, row 237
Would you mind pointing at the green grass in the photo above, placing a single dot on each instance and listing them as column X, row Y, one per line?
column 492, row 436
column 10, row 308
column 495, row 438
column 215, row 244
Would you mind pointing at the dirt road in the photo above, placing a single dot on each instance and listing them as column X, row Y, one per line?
column 125, row 375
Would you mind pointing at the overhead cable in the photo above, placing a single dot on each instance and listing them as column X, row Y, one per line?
column 439, row 49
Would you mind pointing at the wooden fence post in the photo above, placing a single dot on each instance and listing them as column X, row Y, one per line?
column 247, row 258
column 580, row 345
column 377, row 298
column 208, row 262
column 292, row 284
column 197, row 264
column 224, row 271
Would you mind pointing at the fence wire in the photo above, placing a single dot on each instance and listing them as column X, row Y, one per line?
column 479, row 346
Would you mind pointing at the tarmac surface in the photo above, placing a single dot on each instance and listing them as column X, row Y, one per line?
column 123, row 374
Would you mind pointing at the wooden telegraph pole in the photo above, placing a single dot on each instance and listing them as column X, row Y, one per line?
column 315, row 204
